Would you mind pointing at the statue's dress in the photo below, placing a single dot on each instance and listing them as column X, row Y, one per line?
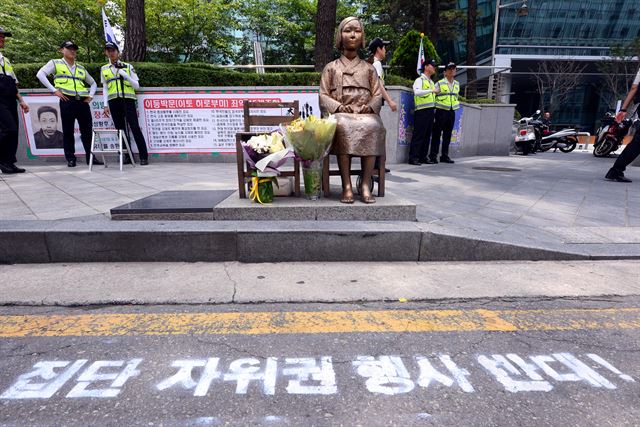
column 353, row 82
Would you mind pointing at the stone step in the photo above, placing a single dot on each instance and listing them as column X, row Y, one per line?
column 225, row 205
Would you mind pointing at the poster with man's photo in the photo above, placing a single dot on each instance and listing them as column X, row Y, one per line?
column 44, row 126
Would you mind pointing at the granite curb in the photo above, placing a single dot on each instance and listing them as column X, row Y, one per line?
column 65, row 241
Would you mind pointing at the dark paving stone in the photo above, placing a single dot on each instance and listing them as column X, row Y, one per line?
column 174, row 202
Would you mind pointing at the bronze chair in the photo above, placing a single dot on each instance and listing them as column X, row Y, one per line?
column 377, row 175
column 292, row 112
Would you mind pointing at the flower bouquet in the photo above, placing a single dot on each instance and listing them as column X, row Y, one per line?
column 311, row 140
column 265, row 155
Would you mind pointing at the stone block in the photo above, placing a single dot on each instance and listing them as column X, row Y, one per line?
column 373, row 242
column 23, row 246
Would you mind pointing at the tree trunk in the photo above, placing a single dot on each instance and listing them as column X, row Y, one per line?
column 434, row 11
column 135, row 39
column 325, row 27
column 426, row 17
column 472, row 15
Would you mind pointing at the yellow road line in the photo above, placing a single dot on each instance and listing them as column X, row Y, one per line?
column 316, row 322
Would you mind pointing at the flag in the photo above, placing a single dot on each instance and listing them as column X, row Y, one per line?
column 109, row 35
column 421, row 59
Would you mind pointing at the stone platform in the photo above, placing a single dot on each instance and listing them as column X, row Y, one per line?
column 224, row 205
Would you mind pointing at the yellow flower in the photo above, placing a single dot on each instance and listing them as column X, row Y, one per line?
column 276, row 143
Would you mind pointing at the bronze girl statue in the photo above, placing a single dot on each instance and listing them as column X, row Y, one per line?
column 350, row 89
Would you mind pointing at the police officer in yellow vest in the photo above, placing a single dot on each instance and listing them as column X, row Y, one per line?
column 9, row 112
column 75, row 88
column 425, row 101
column 119, row 82
column 447, row 102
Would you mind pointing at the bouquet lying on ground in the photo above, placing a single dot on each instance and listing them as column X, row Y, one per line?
column 265, row 154
column 311, row 140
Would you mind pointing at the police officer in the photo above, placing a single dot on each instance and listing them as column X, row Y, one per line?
column 447, row 102
column 632, row 150
column 75, row 88
column 8, row 112
column 119, row 82
column 424, row 99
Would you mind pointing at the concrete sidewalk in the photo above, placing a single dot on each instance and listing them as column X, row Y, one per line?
column 83, row 284
column 550, row 201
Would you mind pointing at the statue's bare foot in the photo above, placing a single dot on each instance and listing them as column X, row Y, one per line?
column 347, row 196
column 367, row 197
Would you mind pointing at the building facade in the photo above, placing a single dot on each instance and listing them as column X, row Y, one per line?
column 578, row 31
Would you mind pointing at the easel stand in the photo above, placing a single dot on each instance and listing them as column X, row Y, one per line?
column 120, row 149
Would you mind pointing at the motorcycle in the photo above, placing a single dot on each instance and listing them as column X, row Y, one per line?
column 610, row 135
column 566, row 140
column 525, row 138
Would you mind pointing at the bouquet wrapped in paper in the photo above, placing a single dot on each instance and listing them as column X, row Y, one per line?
column 266, row 154
column 311, row 140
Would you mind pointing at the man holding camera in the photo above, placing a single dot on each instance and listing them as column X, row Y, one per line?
column 75, row 88
column 119, row 81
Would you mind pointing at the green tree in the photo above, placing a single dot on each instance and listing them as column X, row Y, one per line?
column 284, row 28
column 439, row 19
column 39, row 26
column 190, row 30
column 405, row 56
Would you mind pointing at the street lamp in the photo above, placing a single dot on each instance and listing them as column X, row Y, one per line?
column 523, row 10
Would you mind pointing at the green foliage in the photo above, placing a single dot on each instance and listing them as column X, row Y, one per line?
column 187, row 75
column 39, row 26
column 213, row 31
column 393, row 80
column 405, row 57
column 285, row 29
column 197, row 75
column 190, row 30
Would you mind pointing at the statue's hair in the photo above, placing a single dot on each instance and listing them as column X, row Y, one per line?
column 343, row 24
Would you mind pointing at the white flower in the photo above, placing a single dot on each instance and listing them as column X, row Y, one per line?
column 266, row 143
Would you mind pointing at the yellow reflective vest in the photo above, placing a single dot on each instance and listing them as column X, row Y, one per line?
column 7, row 68
column 117, row 87
column 448, row 99
column 428, row 100
column 68, row 83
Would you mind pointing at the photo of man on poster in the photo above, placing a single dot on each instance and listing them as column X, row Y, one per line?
column 49, row 135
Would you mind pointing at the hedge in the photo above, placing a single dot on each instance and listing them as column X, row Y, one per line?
column 190, row 75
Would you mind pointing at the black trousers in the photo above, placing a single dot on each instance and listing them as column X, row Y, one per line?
column 70, row 111
column 442, row 128
column 123, row 113
column 8, row 130
column 422, row 128
column 629, row 154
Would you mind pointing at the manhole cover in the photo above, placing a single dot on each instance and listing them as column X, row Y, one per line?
column 495, row 169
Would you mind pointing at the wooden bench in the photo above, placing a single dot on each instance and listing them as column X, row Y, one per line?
column 377, row 175
column 291, row 112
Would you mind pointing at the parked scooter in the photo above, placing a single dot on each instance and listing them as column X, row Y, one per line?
column 610, row 135
column 566, row 139
column 525, row 136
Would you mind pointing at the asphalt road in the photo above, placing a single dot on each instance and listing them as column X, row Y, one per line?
column 488, row 362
